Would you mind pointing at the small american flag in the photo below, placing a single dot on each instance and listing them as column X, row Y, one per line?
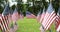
column 49, row 17
column 15, row 15
column 39, row 16
column 21, row 15
column 42, row 15
column 57, row 23
column 30, row 15
column 4, row 18
column 58, row 20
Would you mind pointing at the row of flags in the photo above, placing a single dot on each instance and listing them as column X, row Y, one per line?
column 46, row 18
column 7, row 17
column 30, row 15
column 49, row 17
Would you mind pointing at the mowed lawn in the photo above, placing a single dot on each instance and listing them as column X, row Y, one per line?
column 28, row 25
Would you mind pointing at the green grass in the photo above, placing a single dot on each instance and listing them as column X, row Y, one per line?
column 0, row 30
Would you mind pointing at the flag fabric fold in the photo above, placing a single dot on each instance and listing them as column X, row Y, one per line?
column 30, row 15
column 42, row 15
column 39, row 16
column 21, row 15
column 57, row 22
column 15, row 15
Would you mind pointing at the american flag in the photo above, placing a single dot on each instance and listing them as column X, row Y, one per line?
column 30, row 15
column 4, row 18
column 42, row 15
column 49, row 17
column 15, row 15
column 39, row 16
column 58, row 20
column 21, row 15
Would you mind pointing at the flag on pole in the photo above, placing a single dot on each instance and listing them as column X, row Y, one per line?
column 39, row 16
column 5, row 17
column 30, row 15
column 15, row 15
column 15, row 18
column 58, row 21
column 49, row 17
column 42, row 15
column 21, row 15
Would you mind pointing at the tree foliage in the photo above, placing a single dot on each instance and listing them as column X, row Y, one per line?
column 37, row 5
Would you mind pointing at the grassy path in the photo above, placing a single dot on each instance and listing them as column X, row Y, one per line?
column 28, row 25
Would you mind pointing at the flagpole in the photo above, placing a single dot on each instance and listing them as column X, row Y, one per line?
column 50, row 1
column 42, row 28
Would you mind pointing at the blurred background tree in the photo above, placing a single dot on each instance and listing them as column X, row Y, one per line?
column 34, row 6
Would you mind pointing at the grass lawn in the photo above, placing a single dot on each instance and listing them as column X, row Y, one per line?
column 28, row 25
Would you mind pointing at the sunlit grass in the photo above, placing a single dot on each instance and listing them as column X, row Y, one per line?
column 28, row 25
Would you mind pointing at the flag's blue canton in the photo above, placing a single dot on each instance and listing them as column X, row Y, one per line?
column 6, row 10
column 28, row 13
column 50, row 8
column 15, row 10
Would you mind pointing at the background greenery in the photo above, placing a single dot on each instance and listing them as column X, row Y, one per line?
column 37, row 5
